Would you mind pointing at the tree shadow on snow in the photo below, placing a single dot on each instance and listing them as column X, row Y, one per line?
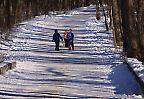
column 123, row 80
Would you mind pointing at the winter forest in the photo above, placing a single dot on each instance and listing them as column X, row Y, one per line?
column 106, row 34
column 126, row 18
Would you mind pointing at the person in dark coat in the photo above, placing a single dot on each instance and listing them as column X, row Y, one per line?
column 56, row 39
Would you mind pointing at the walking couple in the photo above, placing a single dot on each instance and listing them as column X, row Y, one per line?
column 68, row 38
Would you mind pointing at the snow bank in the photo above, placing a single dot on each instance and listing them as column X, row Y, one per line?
column 137, row 66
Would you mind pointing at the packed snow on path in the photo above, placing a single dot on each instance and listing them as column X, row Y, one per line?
column 93, row 70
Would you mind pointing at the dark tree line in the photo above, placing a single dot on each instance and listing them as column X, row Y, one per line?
column 127, row 23
column 15, row 11
column 126, row 18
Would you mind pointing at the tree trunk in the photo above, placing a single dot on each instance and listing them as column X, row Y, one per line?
column 97, row 11
column 116, row 22
column 140, row 24
column 104, row 13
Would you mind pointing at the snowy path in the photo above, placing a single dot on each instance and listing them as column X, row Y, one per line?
column 93, row 70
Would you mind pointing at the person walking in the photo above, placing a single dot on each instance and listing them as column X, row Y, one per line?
column 56, row 39
column 66, row 38
column 70, row 37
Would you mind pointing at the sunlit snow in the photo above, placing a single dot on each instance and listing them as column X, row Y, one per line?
column 94, row 70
